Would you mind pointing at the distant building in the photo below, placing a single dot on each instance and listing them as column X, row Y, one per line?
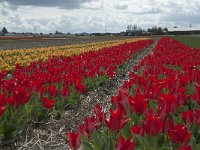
column 187, row 32
column 4, row 30
column 134, row 32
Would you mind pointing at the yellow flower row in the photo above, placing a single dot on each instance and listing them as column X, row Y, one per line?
column 9, row 58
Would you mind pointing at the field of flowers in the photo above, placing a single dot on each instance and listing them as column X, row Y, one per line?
column 158, row 108
column 43, row 88
column 24, row 57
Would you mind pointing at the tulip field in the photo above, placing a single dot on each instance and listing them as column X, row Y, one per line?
column 35, row 90
column 9, row 58
column 156, row 108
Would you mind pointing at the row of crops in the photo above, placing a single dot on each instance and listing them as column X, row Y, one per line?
column 38, row 89
column 158, row 108
column 9, row 58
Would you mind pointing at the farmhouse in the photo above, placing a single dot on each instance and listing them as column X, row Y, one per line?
column 4, row 31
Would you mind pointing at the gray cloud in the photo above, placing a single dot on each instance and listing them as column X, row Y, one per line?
column 182, row 18
column 147, row 12
column 4, row 12
column 67, row 4
column 121, row 7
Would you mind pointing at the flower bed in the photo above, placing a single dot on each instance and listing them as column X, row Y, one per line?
column 44, row 88
column 24, row 57
column 158, row 108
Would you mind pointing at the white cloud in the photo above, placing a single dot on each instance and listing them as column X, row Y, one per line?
column 95, row 15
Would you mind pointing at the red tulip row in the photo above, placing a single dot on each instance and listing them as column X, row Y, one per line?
column 157, row 108
column 36, row 89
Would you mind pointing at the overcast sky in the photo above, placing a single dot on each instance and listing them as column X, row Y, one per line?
column 95, row 15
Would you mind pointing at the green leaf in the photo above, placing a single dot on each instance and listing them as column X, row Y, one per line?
column 97, row 140
column 1, row 129
column 21, row 124
column 87, row 146
column 143, row 141
column 195, row 144
column 10, row 131
column 161, row 140
column 1, row 132
column 43, row 115
column 105, row 146
column 126, row 132
column 165, row 148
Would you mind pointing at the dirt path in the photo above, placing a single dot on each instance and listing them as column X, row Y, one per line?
column 51, row 135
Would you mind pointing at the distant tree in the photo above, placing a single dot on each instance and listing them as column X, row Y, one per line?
column 97, row 34
column 57, row 32
column 135, row 27
column 129, row 27
column 132, row 27
column 159, row 31
column 165, row 30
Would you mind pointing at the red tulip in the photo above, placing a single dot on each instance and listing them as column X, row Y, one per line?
column 3, row 100
column 123, row 144
column 42, row 90
column 65, row 91
column 48, row 103
column 135, row 129
column 197, row 117
column 21, row 96
column 139, row 104
column 168, row 124
column 168, row 105
column 80, row 87
column 198, row 89
column 88, row 127
column 100, row 115
column 188, row 116
column 116, row 121
column 181, row 96
column 115, row 100
column 74, row 140
column 122, row 99
column 179, row 134
column 155, row 92
column 2, row 109
column 153, row 125
column 53, row 91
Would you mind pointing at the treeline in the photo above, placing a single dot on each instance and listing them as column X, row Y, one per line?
column 157, row 30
